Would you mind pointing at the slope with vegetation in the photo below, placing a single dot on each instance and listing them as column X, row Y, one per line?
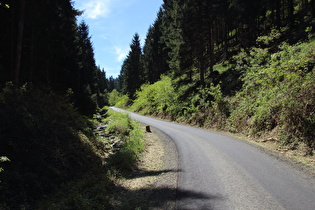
column 119, row 144
column 239, row 66
column 50, row 88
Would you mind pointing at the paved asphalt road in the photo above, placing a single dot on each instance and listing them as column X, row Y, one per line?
column 221, row 172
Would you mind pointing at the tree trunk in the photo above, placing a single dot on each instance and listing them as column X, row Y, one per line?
column 313, row 8
column 304, row 4
column 32, row 54
column 19, row 44
column 211, row 51
column 13, row 47
column 290, row 12
column 202, row 70
column 278, row 13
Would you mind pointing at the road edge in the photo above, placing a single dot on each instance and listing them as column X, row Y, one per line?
column 167, row 181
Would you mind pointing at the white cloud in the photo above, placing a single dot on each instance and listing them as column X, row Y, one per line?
column 96, row 8
column 121, row 53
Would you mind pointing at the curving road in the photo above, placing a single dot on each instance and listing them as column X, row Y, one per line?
column 221, row 172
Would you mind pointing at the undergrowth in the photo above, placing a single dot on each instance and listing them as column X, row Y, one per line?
column 278, row 92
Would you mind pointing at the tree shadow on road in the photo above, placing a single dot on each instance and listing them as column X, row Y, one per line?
column 143, row 173
column 159, row 195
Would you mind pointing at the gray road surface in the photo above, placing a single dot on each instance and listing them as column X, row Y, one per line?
column 222, row 172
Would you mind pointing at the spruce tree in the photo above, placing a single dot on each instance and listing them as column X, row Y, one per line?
column 155, row 52
column 132, row 72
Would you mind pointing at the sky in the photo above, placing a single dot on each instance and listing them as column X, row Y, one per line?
column 112, row 25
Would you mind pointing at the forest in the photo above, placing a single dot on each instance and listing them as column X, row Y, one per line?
column 240, row 66
column 50, row 90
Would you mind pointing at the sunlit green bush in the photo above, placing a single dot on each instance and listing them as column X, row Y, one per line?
column 156, row 98
column 114, row 97
column 123, row 101
column 278, row 92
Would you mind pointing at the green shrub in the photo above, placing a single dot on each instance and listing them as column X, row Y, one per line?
column 114, row 97
column 132, row 135
column 123, row 101
column 92, row 191
column 278, row 92
column 118, row 123
column 156, row 98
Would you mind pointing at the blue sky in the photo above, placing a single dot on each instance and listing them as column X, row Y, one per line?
column 112, row 24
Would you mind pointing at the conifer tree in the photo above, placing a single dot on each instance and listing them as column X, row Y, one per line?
column 86, row 57
column 132, row 72
column 92, row 81
column 155, row 52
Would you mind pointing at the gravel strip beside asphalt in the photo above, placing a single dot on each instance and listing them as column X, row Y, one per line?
column 153, row 185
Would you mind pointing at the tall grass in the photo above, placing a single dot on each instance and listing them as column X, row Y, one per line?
column 132, row 136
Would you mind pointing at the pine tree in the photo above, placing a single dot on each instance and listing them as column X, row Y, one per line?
column 112, row 84
column 155, row 52
column 92, row 83
column 132, row 74
column 86, row 57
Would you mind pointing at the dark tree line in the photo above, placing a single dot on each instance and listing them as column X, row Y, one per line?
column 190, row 36
column 41, row 43
column 49, row 83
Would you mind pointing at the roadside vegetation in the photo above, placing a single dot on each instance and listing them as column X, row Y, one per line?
column 275, row 101
column 122, row 145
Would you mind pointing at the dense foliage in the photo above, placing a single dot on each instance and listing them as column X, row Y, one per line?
column 277, row 95
column 278, row 92
column 189, row 38
column 155, row 98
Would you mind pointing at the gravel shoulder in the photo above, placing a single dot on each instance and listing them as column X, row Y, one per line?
column 153, row 185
